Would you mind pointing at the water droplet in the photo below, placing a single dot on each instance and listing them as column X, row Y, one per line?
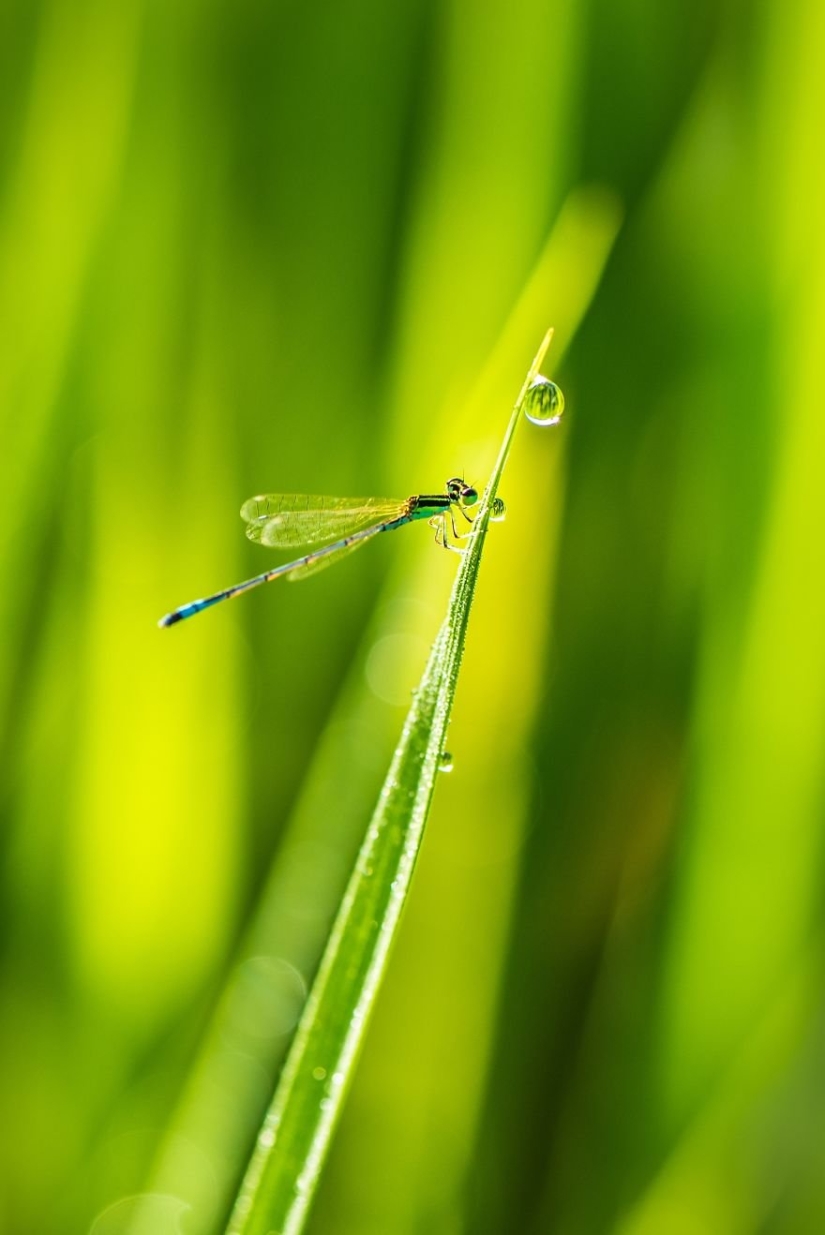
column 544, row 402
column 319, row 1073
column 445, row 761
column 498, row 511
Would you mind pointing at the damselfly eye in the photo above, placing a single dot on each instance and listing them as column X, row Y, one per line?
column 469, row 496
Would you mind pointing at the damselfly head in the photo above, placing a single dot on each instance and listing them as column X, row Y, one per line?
column 462, row 493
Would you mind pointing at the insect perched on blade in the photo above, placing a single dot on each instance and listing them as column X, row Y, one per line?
column 339, row 525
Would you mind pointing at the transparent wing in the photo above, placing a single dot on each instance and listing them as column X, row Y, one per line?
column 287, row 520
column 306, row 569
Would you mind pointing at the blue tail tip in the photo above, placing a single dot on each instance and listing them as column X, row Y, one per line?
column 169, row 619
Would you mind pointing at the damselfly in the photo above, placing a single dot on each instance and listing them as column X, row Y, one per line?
column 340, row 525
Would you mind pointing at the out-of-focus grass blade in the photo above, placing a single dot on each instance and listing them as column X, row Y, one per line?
column 289, row 1155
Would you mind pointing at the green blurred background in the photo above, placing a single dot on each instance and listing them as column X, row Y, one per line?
column 255, row 246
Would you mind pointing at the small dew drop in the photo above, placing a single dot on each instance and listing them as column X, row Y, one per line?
column 544, row 403
column 326, row 1104
column 319, row 1074
column 498, row 511
column 445, row 761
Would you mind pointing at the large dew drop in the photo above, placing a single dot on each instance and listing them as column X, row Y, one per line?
column 544, row 402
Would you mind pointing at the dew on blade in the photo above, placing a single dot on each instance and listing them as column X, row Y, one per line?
column 544, row 402
column 445, row 762
column 498, row 511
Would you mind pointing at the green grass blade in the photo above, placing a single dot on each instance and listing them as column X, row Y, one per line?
column 286, row 1164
